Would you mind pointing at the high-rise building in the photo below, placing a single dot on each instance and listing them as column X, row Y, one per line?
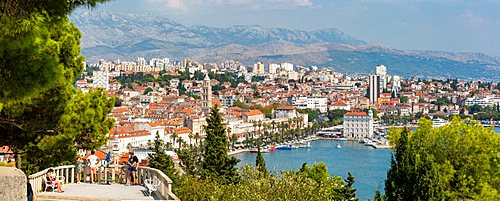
column 258, row 68
column 373, row 88
column 381, row 71
column 206, row 98
column 287, row 66
column 396, row 85
column 100, row 79
column 273, row 68
column 141, row 61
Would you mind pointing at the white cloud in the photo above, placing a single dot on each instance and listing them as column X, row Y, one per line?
column 303, row 3
column 171, row 4
column 264, row 4
column 473, row 21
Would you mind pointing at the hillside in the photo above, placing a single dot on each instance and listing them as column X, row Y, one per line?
column 112, row 35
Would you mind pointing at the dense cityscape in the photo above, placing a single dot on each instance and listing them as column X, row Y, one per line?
column 174, row 98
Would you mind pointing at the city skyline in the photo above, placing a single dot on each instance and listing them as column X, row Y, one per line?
column 458, row 26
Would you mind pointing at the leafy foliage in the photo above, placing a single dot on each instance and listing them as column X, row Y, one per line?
column 310, row 184
column 49, row 127
column 42, row 115
column 57, row 8
column 37, row 53
column 459, row 161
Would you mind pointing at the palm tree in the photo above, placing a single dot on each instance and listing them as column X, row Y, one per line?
column 234, row 138
column 228, row 135
column 181, row 142
column 196, row 138
column 190, row 136
column 173, row 136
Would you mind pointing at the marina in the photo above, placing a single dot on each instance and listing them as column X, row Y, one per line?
column 368, row 165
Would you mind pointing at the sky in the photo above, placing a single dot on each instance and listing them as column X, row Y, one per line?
column 448, row 25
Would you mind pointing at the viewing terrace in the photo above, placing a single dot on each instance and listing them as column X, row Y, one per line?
column 110, row 186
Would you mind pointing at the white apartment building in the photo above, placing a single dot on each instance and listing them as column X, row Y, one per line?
column 381, row 71
column 483, row 102
column 287, row 66
column 273, row 68
column 258, row 68
column 228, row 100
column 100, row 79
column 309, row 102
column 374, row 88
column 358, row 125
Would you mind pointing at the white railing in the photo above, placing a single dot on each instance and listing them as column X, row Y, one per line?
column 37, row 181
column 165, row 187
column 118, row 174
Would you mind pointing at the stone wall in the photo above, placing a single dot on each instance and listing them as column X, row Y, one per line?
column 12, row 184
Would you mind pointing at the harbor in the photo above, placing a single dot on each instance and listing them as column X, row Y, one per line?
column 367, row 164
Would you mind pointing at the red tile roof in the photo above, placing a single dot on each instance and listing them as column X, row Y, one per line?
column 356, row 114
column 286, row 107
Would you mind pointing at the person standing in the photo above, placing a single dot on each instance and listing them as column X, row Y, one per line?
column 93, row 160
column 78, row 169
column 135, row 165
column 132, row 162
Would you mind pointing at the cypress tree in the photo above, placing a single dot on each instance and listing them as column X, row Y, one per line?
column 260, row 162
column 216, row 164
column 349, row 191
column 161, row 161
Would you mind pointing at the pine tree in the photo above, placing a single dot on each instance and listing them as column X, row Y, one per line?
column 349, row 191
column 161, row 161
column 216, row 163
column 260, row 162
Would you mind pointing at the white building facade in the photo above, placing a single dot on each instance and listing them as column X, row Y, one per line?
column 358, row 125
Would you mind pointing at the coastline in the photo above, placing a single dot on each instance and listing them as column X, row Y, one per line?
column 230, row 153
column 237, row 152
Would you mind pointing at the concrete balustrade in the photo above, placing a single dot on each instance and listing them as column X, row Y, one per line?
column 165, row 187
column 118, row 174
column 37, row 180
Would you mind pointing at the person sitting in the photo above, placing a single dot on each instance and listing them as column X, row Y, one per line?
column 50, row 177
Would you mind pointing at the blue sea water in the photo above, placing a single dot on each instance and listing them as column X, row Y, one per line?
column 368, row 165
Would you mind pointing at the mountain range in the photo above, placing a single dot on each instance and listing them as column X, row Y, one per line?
column 112, row 35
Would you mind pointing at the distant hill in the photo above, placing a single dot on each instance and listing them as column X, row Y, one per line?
column 111, row 35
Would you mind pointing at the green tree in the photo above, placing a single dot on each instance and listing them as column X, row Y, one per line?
column 161, row 161
column 260, row 162
column 216, row 163
column 459, row 161
column 349, row 191
column 42, row 116
column 39, row 46
column 147, row 90
column 49, row 128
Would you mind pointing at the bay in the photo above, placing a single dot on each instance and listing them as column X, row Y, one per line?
column 368, row 165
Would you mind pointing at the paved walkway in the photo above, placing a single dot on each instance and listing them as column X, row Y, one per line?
column 99, row 192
